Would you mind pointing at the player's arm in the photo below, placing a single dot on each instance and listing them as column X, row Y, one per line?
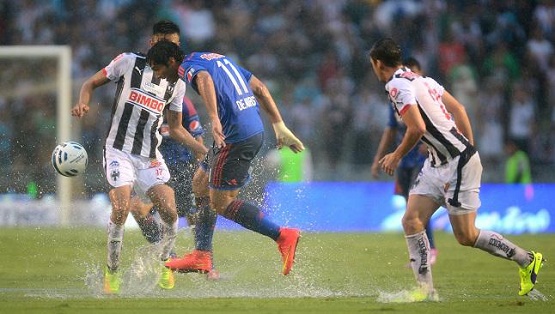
column 207, row 91
column 415, row 129
column 388, row 136
column 85, row 94
column 284, row 136
column 181, row 135
column 459, row 114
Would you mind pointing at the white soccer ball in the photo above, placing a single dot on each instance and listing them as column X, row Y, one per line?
column 70, row 159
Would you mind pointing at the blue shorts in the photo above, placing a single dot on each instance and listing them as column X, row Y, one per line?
column 230, row 168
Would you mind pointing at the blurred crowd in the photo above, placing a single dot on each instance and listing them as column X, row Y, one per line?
column 496, row 57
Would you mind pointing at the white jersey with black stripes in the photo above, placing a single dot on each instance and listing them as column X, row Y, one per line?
column 407, row 88
column 139, row 104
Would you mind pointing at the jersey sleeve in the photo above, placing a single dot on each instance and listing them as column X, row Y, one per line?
column 402, row 94
column 118, row 66
column 188, row 71
column 175, row 103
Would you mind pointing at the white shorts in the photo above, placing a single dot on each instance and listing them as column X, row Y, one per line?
column 439, row 183
column 140, row 172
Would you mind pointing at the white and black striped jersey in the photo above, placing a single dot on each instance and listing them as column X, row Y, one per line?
column 444, row 141
column 139, row 104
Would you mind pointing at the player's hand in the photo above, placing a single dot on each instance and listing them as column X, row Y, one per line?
column 375, row 169
column 389, row 163
column 218, row 134
column 80, row 110
column 285, row 137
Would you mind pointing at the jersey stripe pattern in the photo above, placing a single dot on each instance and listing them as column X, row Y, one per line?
column 138, row 108
column 444, row 141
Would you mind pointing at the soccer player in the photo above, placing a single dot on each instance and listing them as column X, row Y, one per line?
column 131, row 156
column 410, row 164
column 180, row 161
column 451, row 174
column 233, row 97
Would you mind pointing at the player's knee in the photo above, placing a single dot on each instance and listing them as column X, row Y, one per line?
column 411, row 224
column 465, row 239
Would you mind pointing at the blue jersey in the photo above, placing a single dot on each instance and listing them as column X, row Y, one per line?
column 173, row 152
column 238, row 108
column 414, row 157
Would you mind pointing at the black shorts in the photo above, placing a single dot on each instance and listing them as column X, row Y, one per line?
column 230, row 168
column 404, row 179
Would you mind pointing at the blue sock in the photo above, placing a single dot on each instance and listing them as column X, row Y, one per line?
column 252, row 218
column 150, row 228
column 205, row 224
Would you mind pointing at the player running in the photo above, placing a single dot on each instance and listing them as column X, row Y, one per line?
column 131, row 155
column 233, row 98
column 451, row 175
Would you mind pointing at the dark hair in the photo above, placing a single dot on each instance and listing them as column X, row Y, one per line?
column 387, row 51
column 162, row 51
column 165, row 27
column 412, row 63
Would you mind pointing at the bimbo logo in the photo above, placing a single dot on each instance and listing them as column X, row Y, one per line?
column 146, row 101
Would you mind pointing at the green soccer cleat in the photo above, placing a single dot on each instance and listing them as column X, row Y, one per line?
column 420, row 294
column 423, row 295
column 529, row 274
column 167, row 280
column 112, row 281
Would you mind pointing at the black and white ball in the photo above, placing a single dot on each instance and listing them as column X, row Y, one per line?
column 70, row 159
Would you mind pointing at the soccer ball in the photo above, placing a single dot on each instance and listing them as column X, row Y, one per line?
column 70, row 159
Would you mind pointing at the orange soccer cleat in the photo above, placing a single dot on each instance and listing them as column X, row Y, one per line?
column 196, row 261
column 287, row 245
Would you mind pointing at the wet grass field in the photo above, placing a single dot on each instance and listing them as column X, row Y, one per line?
column 49, row 270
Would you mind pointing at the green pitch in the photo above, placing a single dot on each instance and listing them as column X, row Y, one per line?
column 46, row 270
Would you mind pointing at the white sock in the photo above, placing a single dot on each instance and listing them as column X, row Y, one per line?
column 419, row 249
column 169, row 236
column 115, row 242
column 496, row 244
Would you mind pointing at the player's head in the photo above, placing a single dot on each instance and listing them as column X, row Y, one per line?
column 165, row 57
column 413, row 65
column 166, row 30
column 385, row 55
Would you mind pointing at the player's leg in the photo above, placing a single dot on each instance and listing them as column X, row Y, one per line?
column 494, row 243
column 163, row 198
column 120, row 174
column 182, row 183
column 201, row 259
column 463, row 221
column 147, row 219
column 119, row 197
column 413, row 173
column 205, row 216
column 419, row 210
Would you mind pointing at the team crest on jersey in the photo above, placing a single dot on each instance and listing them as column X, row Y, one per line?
column 146, row 101
column 114, row 174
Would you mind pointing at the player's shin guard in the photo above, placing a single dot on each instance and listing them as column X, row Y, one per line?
column 205, row 223
column 496, row 244
column 115, row 241
column 168, row 239
column 419, row 249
